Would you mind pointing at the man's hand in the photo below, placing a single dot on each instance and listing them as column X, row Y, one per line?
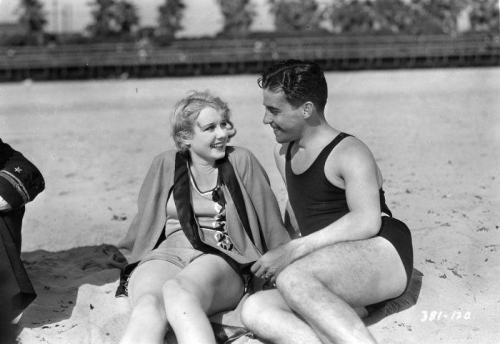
column 270, row 265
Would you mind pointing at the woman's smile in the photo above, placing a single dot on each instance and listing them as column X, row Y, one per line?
column 218, row 145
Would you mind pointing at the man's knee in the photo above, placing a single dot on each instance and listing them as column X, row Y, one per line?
column 293, row 283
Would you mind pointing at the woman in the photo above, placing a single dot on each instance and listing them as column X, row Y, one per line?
column 206, row 213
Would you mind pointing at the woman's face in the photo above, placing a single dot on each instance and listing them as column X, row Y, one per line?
column 209, row 136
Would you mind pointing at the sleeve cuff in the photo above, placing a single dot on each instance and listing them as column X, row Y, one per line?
column 12, row 190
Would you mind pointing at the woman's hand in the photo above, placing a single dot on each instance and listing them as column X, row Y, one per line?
column 270, row 265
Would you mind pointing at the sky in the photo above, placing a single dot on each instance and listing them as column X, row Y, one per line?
column 201, row 17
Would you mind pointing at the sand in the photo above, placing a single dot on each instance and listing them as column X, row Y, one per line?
column 435, row 134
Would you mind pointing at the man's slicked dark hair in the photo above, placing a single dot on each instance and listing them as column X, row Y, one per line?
column 300, row 81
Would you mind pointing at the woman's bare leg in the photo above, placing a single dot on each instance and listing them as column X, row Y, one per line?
column 148, row 322
column 206, row 286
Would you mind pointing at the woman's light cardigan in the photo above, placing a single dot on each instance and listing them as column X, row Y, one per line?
column 265, row 231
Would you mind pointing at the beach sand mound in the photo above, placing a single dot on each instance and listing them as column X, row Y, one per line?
column 76, row 300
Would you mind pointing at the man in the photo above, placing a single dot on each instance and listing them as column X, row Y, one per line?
column 351, row 256
column 20, row 183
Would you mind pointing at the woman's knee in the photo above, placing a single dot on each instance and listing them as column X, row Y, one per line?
column 149, row 304
column 252, row 311
column 174, row 289
column 178, row 292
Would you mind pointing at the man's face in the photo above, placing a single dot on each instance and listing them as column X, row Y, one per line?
column 287, row 122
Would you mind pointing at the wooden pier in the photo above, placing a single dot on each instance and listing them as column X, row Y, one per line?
column 228, row 56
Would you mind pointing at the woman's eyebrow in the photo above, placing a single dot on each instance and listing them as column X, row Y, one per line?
column 205, row 125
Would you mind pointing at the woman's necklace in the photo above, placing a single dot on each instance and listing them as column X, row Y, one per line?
column 204, row 185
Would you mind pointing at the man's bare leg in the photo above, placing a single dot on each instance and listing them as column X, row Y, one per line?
column 268, row 316
column 329, row 288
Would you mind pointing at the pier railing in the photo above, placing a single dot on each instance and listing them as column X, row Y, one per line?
column 228, row 56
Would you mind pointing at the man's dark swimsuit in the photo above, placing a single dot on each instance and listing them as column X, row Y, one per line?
column 316, row 203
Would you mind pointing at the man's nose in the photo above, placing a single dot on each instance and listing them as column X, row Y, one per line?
column 267, row 118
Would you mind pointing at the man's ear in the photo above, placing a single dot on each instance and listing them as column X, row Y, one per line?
column 307, row 110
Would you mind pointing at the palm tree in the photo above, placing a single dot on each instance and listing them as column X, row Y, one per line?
column 112, row 18
column 170, row 18
column 484, row 16
column 238, row 17
column 444, row 12
column 104, row 23
column 126, row 16
column 381, row 16
column 33, row 17
column 296, row 15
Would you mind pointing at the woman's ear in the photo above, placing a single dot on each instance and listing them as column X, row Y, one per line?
column 186, row 139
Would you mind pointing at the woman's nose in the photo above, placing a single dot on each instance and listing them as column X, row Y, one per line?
column 221, row 132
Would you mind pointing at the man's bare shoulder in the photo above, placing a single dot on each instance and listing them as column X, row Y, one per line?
column 351, row 156
column 351, row 148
